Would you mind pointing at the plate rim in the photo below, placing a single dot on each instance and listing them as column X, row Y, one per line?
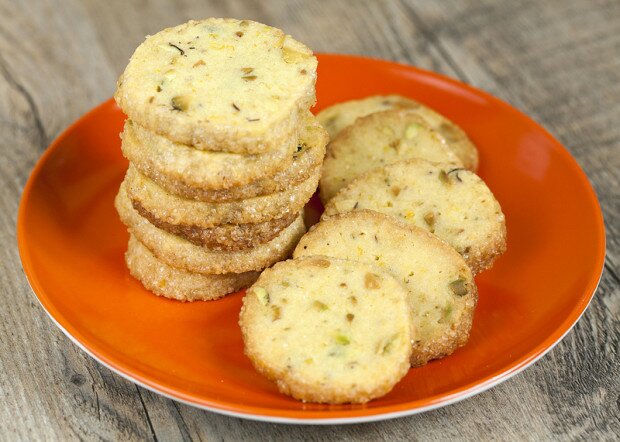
column 369, row 415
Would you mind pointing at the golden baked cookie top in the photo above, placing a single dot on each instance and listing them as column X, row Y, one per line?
column 451, row 202
column 441, row 289
column 341, row 115
column 328, row 330
column 219, row 84
column 377, row 140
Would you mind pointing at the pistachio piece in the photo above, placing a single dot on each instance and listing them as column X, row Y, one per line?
column 459, row 287
column 169, row 75
column 446, row 313
column 371, row 281
column 342, row 339
column 350, row 317
column 384, row 346
column 276, row 312
column 412, row 131
column 429, row 219
column 262, row 295
column 293, row 56
column 180, row 102
column 443, row 177
column 320, row 306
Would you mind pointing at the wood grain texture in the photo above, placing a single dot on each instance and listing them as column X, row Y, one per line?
column 558, row 61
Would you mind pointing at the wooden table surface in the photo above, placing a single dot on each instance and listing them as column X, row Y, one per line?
column 558, row 61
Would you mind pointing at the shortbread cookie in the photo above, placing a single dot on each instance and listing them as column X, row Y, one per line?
column 182, row 254
column 167, row 281
column 193, row 174
column 173, row 209
column 337, row 117
column 377, row 140
column 221, row 85
column 157, row 156
column 442, row 292
column 328, row 330
column 451, row 202
column 225, row 237
column 340, row 115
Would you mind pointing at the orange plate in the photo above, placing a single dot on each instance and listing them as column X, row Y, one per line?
column 72, row 243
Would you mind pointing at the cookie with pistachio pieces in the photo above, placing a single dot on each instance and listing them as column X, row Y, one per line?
column 220, row 84
column 451, row 202
column 173, row 283
column 229, row 237
column 441, row 290
column 182, row 254
column 328, row 330
column 220, row 176
column 377, row 140
column 338, row 116
column 173, row 209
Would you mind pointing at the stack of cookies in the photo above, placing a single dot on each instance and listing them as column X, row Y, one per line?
column 223, row 152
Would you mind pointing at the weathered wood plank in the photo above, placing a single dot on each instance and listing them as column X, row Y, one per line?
column 557, row 61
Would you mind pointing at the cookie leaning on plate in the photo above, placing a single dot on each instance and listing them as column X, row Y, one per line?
column 377, row 140
column 451, row 202
column 220, row 84
column 338, row 116
column 182, row 254
column 441, row 290
column 328, row 330
column 167, row 281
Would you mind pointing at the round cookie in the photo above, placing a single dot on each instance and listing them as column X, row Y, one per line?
column 182, row 254
column 221, row 85
column 178, row 174
column 451, row 202
column 340, row 115
column 441, row 290
column 335, row 118
column 173, row 209
column 156, row 155
column 377, row 140
column 328, row 330
column 229, row 237
column 167, row 281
